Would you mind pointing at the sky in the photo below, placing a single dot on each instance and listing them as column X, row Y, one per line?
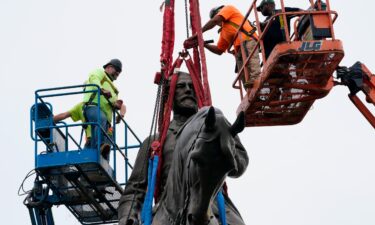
column 317, row 172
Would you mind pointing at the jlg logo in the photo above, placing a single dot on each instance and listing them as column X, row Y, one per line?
column 310, row 46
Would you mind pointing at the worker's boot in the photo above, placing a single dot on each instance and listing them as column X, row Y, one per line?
column 104, row 150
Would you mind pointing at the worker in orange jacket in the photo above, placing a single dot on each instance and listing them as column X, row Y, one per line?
column 229, row 18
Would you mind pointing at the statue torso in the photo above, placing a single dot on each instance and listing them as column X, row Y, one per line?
column 168, row 150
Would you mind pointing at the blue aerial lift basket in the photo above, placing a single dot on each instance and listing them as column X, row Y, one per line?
column 68, row 174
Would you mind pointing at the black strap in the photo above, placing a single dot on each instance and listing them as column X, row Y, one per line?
column 249, row 34
column 91, row 98
column 80, row 140
column 84, row 126
column 93, row 95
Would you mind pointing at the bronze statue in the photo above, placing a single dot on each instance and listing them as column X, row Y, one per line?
column 201, row 149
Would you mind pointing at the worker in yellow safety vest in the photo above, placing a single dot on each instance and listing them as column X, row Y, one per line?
column 102, row 114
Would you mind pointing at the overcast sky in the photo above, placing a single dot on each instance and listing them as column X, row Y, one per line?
column 320, row 171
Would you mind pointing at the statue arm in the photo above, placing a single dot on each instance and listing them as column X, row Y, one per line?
column 241, row 158
column 132, row 200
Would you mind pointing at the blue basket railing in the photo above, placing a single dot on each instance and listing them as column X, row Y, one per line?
column 42, row 127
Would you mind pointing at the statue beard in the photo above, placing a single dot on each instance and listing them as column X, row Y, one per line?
column 184, row 111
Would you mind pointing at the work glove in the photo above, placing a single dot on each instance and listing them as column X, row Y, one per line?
column 118, row 104
column 118, row 118
column 191, row 42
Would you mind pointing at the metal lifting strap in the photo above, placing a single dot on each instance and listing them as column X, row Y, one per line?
column 221, row 206
column 195, row 71
column 168, row 37
column 163, row 136
column 196, row 27
column 146, row 213
column 198, row 88
column 155, row 161
column 198, row 73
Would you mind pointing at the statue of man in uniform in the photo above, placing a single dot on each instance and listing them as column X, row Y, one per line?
column 184, row 106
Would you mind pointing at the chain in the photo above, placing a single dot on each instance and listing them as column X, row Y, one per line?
column 153, row 123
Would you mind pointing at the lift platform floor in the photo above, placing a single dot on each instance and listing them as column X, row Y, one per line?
column 86, row 188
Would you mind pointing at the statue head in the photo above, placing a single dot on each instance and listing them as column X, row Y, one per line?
column 185, row 101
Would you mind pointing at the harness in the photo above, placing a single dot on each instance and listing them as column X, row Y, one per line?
column 91, row 99
column 249, row 34
column 93, row 95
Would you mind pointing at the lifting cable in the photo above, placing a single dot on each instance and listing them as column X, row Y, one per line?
column 187, row 19
column 151, row 134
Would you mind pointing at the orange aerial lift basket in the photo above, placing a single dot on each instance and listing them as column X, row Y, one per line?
column 298, row 70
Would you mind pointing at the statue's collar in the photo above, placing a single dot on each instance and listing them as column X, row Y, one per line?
column 175, row 125
column 178, row 126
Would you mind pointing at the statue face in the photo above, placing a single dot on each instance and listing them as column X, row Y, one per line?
column 185, row 101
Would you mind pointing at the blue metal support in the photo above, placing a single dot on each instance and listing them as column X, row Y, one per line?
column 41, row 216
column 98, row 116
column 114, row 146
column 126, row 153
column 221, row 205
